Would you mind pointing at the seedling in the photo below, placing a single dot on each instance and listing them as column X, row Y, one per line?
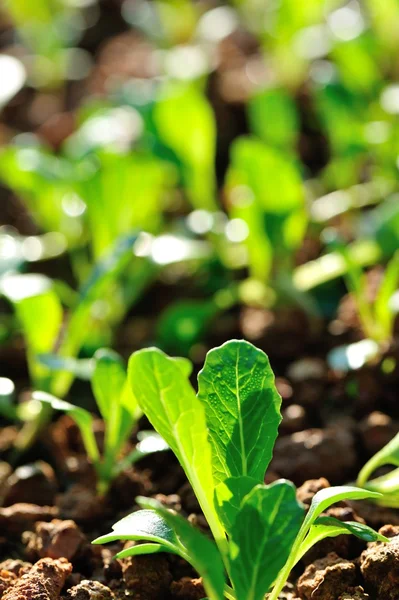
column 47, row 329
column 119, row 410
column 223, row 437
column 387, row 485
column 377, row 317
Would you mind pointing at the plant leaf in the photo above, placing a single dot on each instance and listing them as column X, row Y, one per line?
column 145, row 525
column 242, row 407
column 229, row 495
column 108, row 380
column 325, row 527
column 40, row 313
column 199, row 550
column 324, row 498
column 262, row 537
column 168, row 400
column 141, row 549
column 388, row 455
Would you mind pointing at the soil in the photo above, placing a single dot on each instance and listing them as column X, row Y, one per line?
column 332, row 423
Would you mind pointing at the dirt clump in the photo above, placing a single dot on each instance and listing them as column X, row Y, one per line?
column 7, row 579
column 146, row 577
column 313, row 453
column 20, row 517
column 90, row 590
column 188, row 589
column 379, row 565
column 326, row 578
column 356, row 593
column 44, row 581
column 56, row 539
column 35, row 481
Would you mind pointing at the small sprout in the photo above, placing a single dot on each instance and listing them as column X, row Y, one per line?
column 224, row 438
column 119, row 410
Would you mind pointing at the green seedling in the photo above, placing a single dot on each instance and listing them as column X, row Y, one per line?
column 387, row 485
column 377, row 316
column 223, row 437
column 119, row 410
column 48, row 329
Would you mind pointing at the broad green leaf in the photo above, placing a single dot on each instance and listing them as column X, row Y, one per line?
column 229, row 496
column 186, row 123
column 261, row 540
column 144, row 525
column 388, row 455
column 40, row 313
column 185, row 364
column 242, row 407
column 166, row 397
column 82, row 418
column 199, row 550
column 325, row 527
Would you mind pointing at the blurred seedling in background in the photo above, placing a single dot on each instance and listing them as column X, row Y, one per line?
column 50, row 31
column 48, row 329
column 120, row 412
column 223, row 438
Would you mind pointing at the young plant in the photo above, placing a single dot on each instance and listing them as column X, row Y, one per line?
column 377, row 316
column 387, row 485
column 224, row 438
column 49, row 330
column 119, row 410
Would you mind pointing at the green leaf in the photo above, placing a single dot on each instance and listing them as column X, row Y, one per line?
column 141, row 549
column 262, row 537
column 186, row 123
column 242, row 407
column 229, row 496
column 388, row 455
column 272, row 116
column 145, row 525
column 82, row 418
column 40, row 313
column 199, row 550
column 166, row 397
column 108, row 380
column 324, row 498
column 325, row 527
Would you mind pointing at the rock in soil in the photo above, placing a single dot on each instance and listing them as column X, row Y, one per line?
column 56, row 539
column 146, row 577
column 18, row 518
column 44, row 581
column 379, row 565
column 18, row 567
column 35, row 481
column 90, row 590
column 326, row 578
